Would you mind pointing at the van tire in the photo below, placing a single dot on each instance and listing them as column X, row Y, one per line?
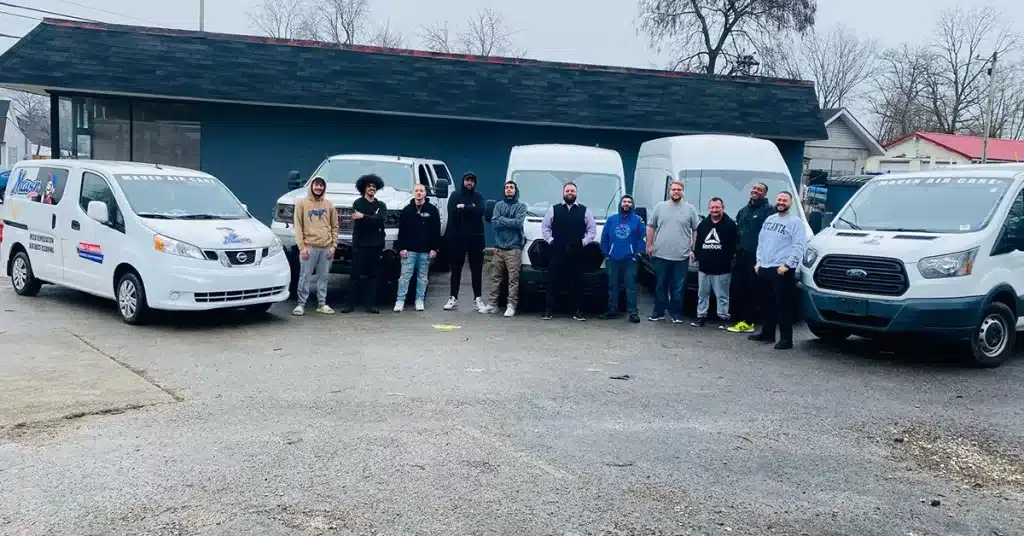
column 828, row 334
column 130, row 296
column 993, row 342
column 23, row 279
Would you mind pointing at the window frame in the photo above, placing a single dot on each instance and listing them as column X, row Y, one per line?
column 117, row 223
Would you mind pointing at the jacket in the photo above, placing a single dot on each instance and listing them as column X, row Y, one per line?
column 507, row 221
column 624, row 236
column 368, row 231
column 749, row 221
column 316, row 222
column 419, row 228
column 469, row 220
column 716, row 245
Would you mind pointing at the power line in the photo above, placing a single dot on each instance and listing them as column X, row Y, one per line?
column 107, row 12
column 65, row 15
column 19, row 15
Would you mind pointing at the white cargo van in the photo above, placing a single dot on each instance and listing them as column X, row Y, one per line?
column 541, row 171
column 938, row 254
column 711, row 166
column 147, row 236
column 341, row 172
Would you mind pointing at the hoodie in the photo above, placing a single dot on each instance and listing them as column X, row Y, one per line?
column 419, row 228
column 624, row 235
column 316, row 220
column 469, row 220
column 716, row 245
column 507, row 220
column 749, row 221
column 783, row 241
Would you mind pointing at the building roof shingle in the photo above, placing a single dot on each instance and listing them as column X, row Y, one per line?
column 971, row 146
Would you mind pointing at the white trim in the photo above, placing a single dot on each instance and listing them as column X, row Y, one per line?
column 44, row 89
column 865, row 137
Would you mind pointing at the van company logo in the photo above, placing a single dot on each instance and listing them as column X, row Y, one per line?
column 25, row 186
column 231, row 237
column 856, row 273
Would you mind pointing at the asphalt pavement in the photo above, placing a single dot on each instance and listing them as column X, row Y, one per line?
column 456, row 423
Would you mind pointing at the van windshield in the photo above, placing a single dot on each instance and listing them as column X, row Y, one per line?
column 398, row 175
column 932, row 205
column 540, row 190
column 732, row 186
column 180, row 197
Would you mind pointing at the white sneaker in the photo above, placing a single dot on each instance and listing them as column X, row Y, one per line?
column 488, row 309
column 299, row 310
column 399, row 306
column 510, row 311
column 420, row 306
column 479, row 303
column 453, row 303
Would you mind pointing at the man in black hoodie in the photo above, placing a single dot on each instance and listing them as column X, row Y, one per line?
column 714, row 248
column 745, row 285
column 367, row 243
column 419, row 234
column 466, row 239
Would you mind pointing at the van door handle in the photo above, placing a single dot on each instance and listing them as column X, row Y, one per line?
column 53, row 221
column 75, row 225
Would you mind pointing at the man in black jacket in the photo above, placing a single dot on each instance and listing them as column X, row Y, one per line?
column 745, row 285
column 714, row 248
column 466, row 239
column 367, row 243
column 419, row 234
column 567, row 227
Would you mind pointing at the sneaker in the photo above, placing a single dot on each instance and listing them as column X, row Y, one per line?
column 677, row 320
column 487, row 309
column 325, row 310
column 399, row 306
column 479, row 303
column 373, row 310
column 741, row 327
column 723, row 323
column 607, row 315
column 299, row 310
column 420, row 306
column 510, row 311
column 347, row 309
column 578, row 315
column 547, row 315
column 699, row 322
column 453, row 303
column 656, row 318
column 634, row 318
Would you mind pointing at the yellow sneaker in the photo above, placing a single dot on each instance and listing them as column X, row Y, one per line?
column 741, row 327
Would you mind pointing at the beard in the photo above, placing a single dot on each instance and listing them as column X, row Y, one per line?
column 569, row 199
column 781, row 209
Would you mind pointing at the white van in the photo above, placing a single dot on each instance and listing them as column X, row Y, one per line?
column 711, row 165
column 147, row 236
column 938, row 254
column 541, row 171
column 341, row 172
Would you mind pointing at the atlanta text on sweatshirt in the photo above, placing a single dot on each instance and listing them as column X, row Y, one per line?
column 782, row 241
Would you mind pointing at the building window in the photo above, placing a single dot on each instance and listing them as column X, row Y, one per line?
column 104, row 129
column 165, row 133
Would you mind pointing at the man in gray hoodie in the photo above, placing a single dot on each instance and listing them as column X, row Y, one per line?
column 507, row 220
column 780, row 250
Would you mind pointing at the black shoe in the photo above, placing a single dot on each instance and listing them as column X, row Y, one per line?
column 784, row 345
column 608, row 315
column 347, row 309
column 547, row 315
column 578, row 315
column 373, row 310
column 634, row 318
column 762, row 337
column 699, row 322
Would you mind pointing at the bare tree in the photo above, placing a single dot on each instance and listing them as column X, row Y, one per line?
column 1008, row 104
column 438, row 37
column 712, row 36
column 343, row 22
column 839, row 62
column 33, row 116
column 897, row 105
column 385, row 36
column 279, row 18
column 486, row 34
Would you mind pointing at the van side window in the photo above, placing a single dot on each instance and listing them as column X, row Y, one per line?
column 96, row 188
column 1013, row 228
column 442, row 173
column 51, row 185
column 424, row 177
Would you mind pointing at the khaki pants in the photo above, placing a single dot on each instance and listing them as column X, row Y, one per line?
column 505, row 260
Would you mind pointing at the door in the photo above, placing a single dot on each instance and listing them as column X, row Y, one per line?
column 35, row 197
column 87, row 242
column 441, row 172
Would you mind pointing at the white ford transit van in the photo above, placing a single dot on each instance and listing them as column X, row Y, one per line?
column 145, row 235
column 938, row 254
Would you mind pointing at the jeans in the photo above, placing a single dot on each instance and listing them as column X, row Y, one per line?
column 505, row 261
column 318, row 263
column 778, row 302
column 669, row 290
column 365, row 265
column 473, row 248
column 414, row 262
column 720, row 285
column 624, row 272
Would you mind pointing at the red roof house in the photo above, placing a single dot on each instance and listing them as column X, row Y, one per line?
column 952, row 147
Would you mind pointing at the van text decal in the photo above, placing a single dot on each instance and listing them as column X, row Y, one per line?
column 232, row 238
column 940, row 180
column 166, row 178
column 90, row 252
column 25, row 186
column 38, row 242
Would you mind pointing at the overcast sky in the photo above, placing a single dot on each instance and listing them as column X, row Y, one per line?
column 587, row 31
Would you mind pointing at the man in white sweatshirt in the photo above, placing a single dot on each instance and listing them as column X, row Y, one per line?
column 780, row 249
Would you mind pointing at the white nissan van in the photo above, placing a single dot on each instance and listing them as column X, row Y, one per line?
column 938, row 254
column 147, row 236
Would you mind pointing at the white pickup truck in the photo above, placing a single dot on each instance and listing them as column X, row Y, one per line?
column 399, row 173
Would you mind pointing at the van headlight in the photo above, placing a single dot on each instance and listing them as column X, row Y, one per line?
column 275, row 247
column 165, row 244
column 949, row 265
column 810, row 257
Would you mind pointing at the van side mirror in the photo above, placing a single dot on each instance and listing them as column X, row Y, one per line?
column 441, row 188
column 294, row 180
column 642, row 212
column 489, row 210
column 97, row 210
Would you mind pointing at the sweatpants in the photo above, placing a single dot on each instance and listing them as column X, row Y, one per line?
column 472, row 247
column 505, row 261
column 718, row 283
column 317, row 268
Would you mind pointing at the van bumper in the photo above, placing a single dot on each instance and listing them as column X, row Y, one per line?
column 218, row 288
column 535, row 280
column 945, row 318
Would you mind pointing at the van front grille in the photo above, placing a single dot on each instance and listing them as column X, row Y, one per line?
column 865, row 275
column 237, row 295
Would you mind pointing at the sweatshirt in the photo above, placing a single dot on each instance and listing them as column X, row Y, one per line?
column 316, row 222
column 716, row 245
column 624, row 236
column 507, row 221
column 368, row 231
column 782, row 241
column 419, row 228
column 469, row 220
column 749, row 220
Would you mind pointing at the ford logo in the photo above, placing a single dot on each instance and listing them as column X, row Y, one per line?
column 856, row 273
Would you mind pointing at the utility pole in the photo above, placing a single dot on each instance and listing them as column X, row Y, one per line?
column 989, row 105
column 202, row 15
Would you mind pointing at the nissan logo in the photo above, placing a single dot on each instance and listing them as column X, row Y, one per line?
column 242, row 257
column 856, row 273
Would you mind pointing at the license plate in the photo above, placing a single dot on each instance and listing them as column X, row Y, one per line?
column 851, row 306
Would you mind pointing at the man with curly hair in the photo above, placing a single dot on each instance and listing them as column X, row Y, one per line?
column 367, row 243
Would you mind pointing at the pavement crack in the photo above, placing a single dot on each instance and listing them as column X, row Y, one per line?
column 138, row 372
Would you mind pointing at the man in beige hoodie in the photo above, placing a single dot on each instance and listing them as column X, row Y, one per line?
column 316, row 234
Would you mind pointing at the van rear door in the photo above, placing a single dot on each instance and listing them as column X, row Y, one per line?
column 34, row 198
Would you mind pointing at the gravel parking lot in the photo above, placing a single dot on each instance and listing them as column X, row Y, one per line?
column 402, row 424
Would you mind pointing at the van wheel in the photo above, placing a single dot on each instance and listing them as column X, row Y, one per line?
column 993, row 342
column 131, row 299
column 828, row 333
column 22, row 277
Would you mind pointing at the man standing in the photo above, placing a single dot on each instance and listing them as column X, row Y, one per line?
column 715, row 247
column 507, row 220
column 466, row 239
column 419, row 234
column 567, row 227
column 316, row 234
column 622, row 239
column 367, row 243
column 745, row 286
column 779, row 252
column 670, row 245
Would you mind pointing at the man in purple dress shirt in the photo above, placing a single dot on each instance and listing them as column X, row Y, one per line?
column 567, row 227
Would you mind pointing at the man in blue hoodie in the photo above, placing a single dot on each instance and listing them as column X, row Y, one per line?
column 623, row 238
column 509, row 239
